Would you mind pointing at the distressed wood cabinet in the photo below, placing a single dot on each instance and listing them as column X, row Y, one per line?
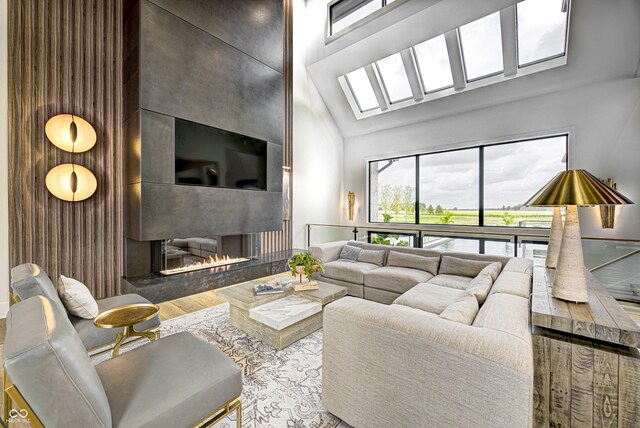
column 586, row 359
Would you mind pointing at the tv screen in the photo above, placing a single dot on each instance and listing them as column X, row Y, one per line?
column 207, row 156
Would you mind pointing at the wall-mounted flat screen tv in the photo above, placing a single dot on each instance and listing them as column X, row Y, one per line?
column 208, row 156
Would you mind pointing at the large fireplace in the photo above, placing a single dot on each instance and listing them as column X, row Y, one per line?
column 182, row 255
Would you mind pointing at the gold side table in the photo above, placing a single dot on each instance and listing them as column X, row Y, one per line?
column 126, row 317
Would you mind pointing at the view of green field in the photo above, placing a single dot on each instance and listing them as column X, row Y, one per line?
column 513, row 218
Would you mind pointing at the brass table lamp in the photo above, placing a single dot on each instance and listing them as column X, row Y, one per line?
column 572, row 189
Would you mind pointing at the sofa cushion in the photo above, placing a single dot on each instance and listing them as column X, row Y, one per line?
column 451, row 281
column 464, row 267
column 480, row 286
column 349, row 253
column 172, row 382
column 519, row 264
column 516, row 283
column 77, row 298
column 506, row 313
column 372, row 256
column 492, row 270
column 396, row 279
column 462, row 311
column 429, row 298
column 93, row 337
column 412, row 261
column 347, row 271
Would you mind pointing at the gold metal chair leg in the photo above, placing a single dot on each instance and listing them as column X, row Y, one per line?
column 239, row 415
column 6, row 400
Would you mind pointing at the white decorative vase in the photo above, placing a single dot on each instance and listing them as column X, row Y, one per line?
column 555, row 237
column 570, row 282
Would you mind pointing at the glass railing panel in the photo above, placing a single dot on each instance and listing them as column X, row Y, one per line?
column 616, row 264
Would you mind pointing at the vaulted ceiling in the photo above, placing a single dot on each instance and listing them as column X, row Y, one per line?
column 603, row 45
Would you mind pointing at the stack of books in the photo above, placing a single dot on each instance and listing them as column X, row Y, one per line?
column 267, row 288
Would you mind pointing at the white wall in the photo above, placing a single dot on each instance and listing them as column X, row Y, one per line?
column 4, row 163
column 605, row 122
column 317, row 146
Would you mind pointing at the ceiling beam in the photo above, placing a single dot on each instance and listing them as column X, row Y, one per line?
column 377, row 87
column 412, row 74
column 509, row 41
column 455, row 60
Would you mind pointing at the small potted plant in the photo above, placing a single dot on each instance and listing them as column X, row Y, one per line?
column 305, row 263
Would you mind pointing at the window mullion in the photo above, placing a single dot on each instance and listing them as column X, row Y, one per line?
column 417, row 198
column 481, row 187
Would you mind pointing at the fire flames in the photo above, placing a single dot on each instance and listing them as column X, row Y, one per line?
column 210, row 262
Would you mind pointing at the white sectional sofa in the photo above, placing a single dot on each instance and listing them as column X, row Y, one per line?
column 439, row 340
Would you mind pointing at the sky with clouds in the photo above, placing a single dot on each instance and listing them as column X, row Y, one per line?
column 513, row 173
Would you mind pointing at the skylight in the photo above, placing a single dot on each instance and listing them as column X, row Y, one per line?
column 481, row 42
column 542, row 30
column 433, row 64
column 394, row 78
column 362, row 89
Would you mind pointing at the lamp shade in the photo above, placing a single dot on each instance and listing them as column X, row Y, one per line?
column 576, row 187
column 70, row 133
column 71, row 182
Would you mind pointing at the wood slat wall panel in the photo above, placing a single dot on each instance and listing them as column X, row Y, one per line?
column 66, row 57
column 282, row 240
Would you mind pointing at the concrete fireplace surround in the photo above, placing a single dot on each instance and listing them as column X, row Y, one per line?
column 217, row 66
column 233, row 84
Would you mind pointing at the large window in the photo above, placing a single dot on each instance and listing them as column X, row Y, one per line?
column 446, row 186
column 449, row 187
column 513, row 173
column 393, row 190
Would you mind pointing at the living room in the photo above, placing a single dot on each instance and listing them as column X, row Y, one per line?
column 320, row 213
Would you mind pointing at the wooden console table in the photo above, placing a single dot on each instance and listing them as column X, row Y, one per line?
column 586, row 361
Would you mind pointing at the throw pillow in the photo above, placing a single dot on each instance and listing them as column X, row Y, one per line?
column 480, row 286
column 77, row 298
column 462, row 267
column 493, row 270
column 463, row 310
column 375, row 257
column 349, row 253
column 412, row 261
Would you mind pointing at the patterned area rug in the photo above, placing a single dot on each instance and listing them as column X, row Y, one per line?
column 281, row 389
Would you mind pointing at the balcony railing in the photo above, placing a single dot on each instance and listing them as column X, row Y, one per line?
column 615, row 262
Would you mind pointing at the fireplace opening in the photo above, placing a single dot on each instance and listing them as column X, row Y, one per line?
column 182, row 255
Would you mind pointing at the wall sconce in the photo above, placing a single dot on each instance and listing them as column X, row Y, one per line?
column 608, row 212
column 71, row 182
column 351, row 198
column 70, row 133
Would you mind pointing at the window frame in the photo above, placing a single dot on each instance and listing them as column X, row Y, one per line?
column 355, row 97
column 549, row 58
column 383, row 84
column 419, row 70
column 464, row 61
column 330, row 5
column 481, row 185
